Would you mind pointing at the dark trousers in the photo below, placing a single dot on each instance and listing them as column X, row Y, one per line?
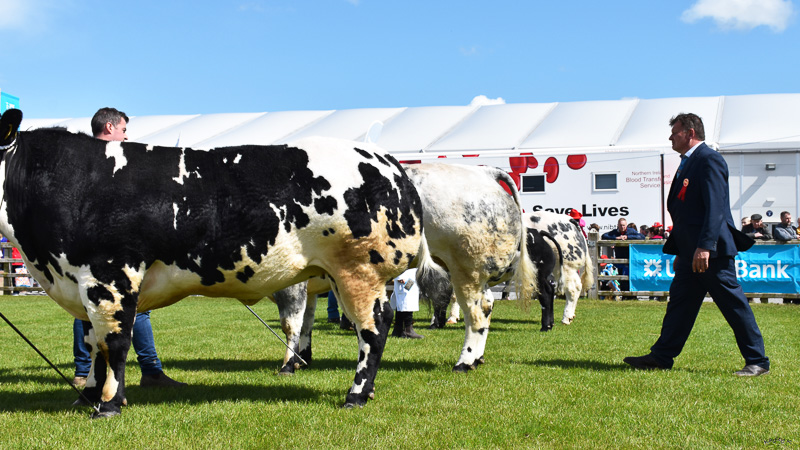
column 686, row 296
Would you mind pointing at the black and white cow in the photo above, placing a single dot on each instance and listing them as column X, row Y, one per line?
column 109, row 228
column 573, row 271
column 475, row 234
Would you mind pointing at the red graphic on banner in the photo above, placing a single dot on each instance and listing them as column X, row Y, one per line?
column 576, row 162
column 521, row 164
column 551, row 169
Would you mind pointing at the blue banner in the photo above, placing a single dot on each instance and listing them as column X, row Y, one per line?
column 763, row 268
column 8, row 101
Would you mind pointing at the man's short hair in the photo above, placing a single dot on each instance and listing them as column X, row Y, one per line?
column 785, row 213
column 690, row 121
column 756, row 217
column 105, row 115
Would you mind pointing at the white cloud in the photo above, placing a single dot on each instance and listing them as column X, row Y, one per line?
column 742, row 14
column 482, row 100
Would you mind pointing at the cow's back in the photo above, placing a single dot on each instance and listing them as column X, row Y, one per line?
column 237, row 221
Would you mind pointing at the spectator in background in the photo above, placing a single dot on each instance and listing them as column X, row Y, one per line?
column 656, row 231
column 594, row 227
column 784, row 231
column 756, row 228
column 405, row 301
column 623, row 233
column 745, row 222
column 644, row 229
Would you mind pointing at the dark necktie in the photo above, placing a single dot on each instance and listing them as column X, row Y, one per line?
column 683, row 162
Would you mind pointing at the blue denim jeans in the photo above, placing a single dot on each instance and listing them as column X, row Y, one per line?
column 333, row 306
column 143, row 344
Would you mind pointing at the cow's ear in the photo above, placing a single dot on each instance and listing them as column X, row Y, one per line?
column 9, row 124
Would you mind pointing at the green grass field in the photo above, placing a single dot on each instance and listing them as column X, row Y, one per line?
column 564, row 389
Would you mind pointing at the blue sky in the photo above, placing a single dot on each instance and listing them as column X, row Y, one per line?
column 66, row 58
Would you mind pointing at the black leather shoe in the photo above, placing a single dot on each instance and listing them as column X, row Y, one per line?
column 646, row 362
column 752, row 370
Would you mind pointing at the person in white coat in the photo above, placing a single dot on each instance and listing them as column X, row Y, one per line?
column 405, row 300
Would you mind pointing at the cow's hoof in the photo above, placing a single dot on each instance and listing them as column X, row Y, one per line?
column 104, row 414
column 463, row 368
column 567, row 321
column 287, row 370
column 349, row 405
column 479, row 361
column 547, row 328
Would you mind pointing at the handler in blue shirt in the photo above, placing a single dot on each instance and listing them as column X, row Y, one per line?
column 705, row 240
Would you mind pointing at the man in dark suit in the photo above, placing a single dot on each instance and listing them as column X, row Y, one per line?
column 705, row 240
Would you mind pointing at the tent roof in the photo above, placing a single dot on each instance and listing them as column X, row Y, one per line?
column 747, row 122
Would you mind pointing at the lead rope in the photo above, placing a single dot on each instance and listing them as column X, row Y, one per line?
column 276, row 335
column 86, row 399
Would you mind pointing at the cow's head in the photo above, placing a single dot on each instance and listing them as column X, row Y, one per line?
column 9, row 124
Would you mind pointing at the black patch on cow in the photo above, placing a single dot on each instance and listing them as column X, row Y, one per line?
column 325, row 205
column 375, row 257
column 469, row 349
column 245, row 274
column 398, row 255
column 363, row 153
column 483, row 331
column 71, row 277
column 219, row 207
column 377, row 193
column 96, row 294
column 391, row 244
column 381, row 160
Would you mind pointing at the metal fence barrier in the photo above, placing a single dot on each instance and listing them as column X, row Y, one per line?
column 12, row 269
column 599, row 247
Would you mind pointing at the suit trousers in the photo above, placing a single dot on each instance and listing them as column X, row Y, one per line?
column 687, row 291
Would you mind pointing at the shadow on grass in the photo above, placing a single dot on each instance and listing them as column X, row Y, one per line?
column 61, row 400
column 224, row 365
column 581, row 364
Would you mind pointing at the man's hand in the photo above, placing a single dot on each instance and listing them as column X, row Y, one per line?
column 700, row 261
column 623, row 237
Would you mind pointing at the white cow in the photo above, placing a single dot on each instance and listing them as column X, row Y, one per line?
column 475, row 232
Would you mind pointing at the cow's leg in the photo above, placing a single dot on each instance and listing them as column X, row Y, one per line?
column 372, row 319
column 292, row 303
column 572, row 290
column 111, row 308
column 477, row 307
column 307, row 329
column 546, row 297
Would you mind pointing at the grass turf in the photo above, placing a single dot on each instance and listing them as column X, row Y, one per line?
column 566, row 388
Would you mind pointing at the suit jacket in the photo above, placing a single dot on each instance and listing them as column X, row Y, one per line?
column 700, row 207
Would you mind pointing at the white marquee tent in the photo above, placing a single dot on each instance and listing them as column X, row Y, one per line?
column 759, row 135
column 736, row 123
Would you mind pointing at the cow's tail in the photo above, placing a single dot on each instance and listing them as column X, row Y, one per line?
column 558, row 246
column 433, row 279
column 525, row 275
